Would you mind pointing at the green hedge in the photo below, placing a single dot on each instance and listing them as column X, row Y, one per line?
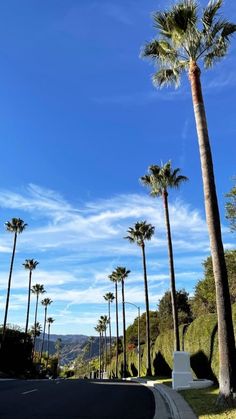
column 200, row 339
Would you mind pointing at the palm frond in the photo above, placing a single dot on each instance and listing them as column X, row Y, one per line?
column 160, row 51
column 210, row 12
column 161, row 23
column 217, row 52
column 166, row 77
column 229, row 29
column 183, row 15
column 145, row 180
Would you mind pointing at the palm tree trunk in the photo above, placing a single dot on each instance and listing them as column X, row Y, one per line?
column 172, row 273
column 124, row 329
column 100, row 357
column 28, row 306
column 48, row 344
column 117, row 329
column 148, row 366
column 105, row 344
column 35, row 318
column 109, row 316
column 44, row 329
column 9, row 289
column 227, row 351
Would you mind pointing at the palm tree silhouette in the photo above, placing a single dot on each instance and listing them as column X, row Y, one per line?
column 123, row 273
column 16, row 226
column 30, row 265
column 45, row 302
column 113, row 277
column 109, row 297
column 183, row 40
column 37, row 289
column 159, row 180
column 104, row 321
column 50, row 320
column 99, row 329
column 139, row 234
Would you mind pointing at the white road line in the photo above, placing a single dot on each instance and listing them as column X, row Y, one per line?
column 30, row 391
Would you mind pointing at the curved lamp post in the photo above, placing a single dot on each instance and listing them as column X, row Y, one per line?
column 139, row 352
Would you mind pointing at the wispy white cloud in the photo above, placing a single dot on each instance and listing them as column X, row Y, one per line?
column 79, row 245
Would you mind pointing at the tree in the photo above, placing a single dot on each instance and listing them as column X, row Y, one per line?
column 230, row 207
column 159, row 180
column 139, row 234
column 37, row 289
column 58, row 347
column 204, row 299
column 50, row 320
column 113, row 277
column 16, row 226
column 183, row 40
column 165, row 310
column 45, row 302
column 132, row 330
column 104, row 321
column 109, row 297
column 99, row 329
column 122, row 273
column 36, row 329
column 30, row 265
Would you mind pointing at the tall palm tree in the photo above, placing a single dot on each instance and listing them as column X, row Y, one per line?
column 50, row 320
column 123, row 273
column 113, row 277
column 30, row 265
column 45, row 302
column 159, row 180
column 99, row 329
column 104, row 321
column 139, row 234
column 109, row 297
column 16, row 226
column 183, row 40
column 37, row 289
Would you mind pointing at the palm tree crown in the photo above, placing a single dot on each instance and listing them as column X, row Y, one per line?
column 161, row 178
column 16, row 225
column 140, row 232
column 109, row 296
column 185, row 38
column 38, row 289
column 121, row 273
column 30, row 264
column 46, row 301
column 50, row 320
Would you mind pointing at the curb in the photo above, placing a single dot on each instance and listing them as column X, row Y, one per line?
column 169, row 403
column 178, row 407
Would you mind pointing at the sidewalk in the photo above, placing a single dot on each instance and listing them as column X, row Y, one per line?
column 169, row 403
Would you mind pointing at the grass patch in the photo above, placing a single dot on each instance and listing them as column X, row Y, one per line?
column 203, row 401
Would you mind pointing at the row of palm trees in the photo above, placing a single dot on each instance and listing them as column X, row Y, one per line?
column 17, row 226
column 159, row 180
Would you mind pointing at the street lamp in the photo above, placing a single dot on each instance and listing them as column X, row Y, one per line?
column 139, row 352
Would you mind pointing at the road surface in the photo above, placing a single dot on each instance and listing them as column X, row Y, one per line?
column 70, row 399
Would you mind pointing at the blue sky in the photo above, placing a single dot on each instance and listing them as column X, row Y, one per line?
column 80, row 123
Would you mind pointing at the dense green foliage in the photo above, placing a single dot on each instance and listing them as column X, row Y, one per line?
column 204, row 300
column 199, row 339
column 165, row 318
column 132, row 330
column 230, row 207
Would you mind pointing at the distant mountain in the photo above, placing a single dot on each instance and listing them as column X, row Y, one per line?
column 72, row 346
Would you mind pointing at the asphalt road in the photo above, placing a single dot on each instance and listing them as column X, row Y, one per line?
column 80, row 399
